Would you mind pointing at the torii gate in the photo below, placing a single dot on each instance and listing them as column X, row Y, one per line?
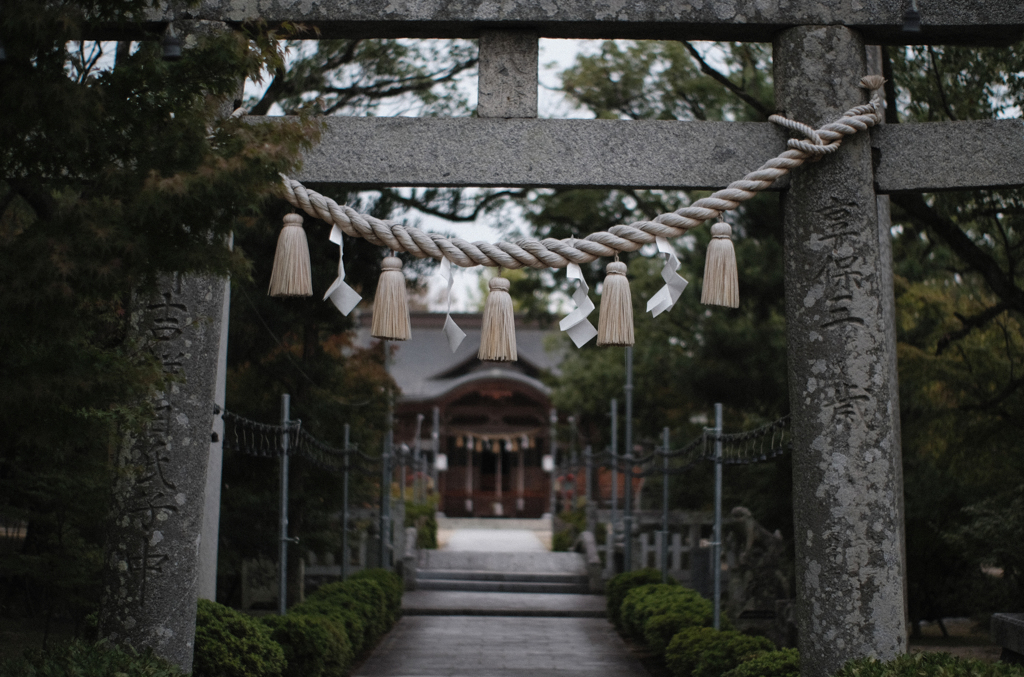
column 847, row 489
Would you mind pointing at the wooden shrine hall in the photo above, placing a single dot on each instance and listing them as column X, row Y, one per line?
column 494, row 417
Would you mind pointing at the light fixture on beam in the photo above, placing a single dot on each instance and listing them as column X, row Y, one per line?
column 170, row 44
column 912, row 19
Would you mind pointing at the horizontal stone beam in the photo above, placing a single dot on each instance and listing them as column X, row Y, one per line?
column 881, row 21
column 366, row 152
column 940, row 156
column 530, row 152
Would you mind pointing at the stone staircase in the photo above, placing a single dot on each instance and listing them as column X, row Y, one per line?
column 525, row 572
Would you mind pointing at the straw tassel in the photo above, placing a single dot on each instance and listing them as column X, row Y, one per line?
column 291, row 276
column 615, row 325
column 498, row 336
column 721, row 285
column 390, row 309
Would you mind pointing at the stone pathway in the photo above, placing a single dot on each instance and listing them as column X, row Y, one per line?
column 461, row 633
column 494, row 646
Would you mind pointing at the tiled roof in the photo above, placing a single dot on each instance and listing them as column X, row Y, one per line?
column 425, row 368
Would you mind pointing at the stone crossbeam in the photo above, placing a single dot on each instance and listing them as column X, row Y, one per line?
column 879, row 21
column 365, row 152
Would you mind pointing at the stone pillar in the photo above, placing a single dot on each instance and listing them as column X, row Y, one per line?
column 211, row 511
column 150, row 576
column 847, row 472
column 507, row 87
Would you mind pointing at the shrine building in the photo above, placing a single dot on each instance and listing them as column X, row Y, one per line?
column 494, row 417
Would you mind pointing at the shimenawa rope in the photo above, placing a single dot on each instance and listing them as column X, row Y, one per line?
column 553, row 253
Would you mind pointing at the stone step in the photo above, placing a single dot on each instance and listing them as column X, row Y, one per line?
column 509, row 562
column 501, row 576
column 502, row 586
column 463, row 603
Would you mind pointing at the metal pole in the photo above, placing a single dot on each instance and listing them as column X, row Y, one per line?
column 588, row 456
column 435, row 448
column 553, row 432
column 282, row 596
column 345, row 554
column 627, row 510
column 716, row 552
column 664, row 504
column 402, row 474
column 385, row 467
column 615, row 462
column 419, row 488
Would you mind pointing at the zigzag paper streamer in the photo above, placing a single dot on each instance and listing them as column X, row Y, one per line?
column 576, row 324
column 341, row 295
column 451, row 331
column 674, row 282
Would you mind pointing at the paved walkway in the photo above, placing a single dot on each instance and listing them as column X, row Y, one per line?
column 458, row 633
column 466, row 646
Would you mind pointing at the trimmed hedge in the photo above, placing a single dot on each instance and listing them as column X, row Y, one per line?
column 618, row 587
column 706, row 652
column 782, row 663
column 232, row 644
column 362, row 598
column 928, row 665
column 314, row 646
column 392, row 585
column 89, row 659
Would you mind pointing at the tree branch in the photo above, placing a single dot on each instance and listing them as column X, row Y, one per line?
column 729, row 84
column 998, row 281
column 938, row 83
column 969, row 324
column 453, row 215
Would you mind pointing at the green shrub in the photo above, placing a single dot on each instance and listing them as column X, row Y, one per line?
column 706, row 652
column 633, row 613
column 928, row 665
column 348, row 617
column 423, row 517
column 782, row 663
column 392, row 585
column 314, row 645
column 675, row 607
column 88, row 659
column 619, row 586
column 231, row 644
column 360, row 603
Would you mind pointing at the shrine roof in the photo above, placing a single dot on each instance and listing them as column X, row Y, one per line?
column 425, row 368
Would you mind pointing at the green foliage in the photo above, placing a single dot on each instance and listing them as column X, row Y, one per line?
column 349, row 618
column 392, row 585
column 88, row 659
column 116, row 167
column 568, row 526
column 361, row 604
column 706, row 652
column 781, row 663
column 655, row 613
column 314, row 646
column 928, row 664
column 616, row 589
column 423, row 518
column 231, row 644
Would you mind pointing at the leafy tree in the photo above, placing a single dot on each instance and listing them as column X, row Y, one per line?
column 116, row 167
column 304, row 347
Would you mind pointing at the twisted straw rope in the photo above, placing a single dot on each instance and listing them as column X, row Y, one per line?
column 553, row 253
